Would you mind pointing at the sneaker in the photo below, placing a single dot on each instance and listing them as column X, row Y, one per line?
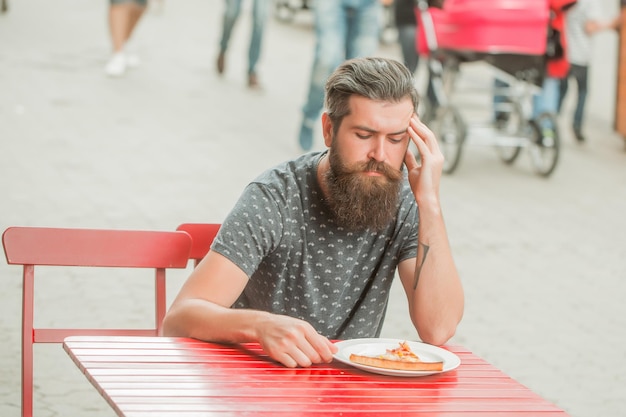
column 306, row 136
column 578, row 134
column 132, row 60
column 253, row 81
column 221, row 62
column 116, row 66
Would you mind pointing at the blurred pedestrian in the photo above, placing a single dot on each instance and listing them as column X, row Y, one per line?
column 584, row 19
column 260, row 11
column 557, row 66
column 344, row 29
column 123, row 18
column 406, row 24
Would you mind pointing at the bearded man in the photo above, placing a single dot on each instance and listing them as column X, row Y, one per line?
column 310, row 250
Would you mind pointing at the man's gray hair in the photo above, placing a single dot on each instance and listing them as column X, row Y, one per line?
column 379, row 79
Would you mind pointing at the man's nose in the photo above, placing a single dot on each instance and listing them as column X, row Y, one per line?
column 377, row 151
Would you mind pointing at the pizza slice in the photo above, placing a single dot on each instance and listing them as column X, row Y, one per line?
column 400, row 358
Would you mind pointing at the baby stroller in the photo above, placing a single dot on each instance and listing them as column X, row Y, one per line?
column 509, row 35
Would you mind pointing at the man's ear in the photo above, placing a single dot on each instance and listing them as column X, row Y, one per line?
column 327, row 129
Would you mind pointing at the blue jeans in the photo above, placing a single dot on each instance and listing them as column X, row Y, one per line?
column 344, row 29
column 406, row 38
column 260, row 11
column 579, row 73
column 498, row 99
column 547, row 101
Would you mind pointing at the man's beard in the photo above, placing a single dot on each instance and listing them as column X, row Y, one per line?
column 360, row 201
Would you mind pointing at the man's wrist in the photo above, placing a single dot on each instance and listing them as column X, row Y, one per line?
column 429, row 206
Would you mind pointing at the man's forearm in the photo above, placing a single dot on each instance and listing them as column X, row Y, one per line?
column 438, row 299
column 201, row 319
column 422, row 254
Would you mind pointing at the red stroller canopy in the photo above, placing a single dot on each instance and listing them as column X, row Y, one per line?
column 489, row 26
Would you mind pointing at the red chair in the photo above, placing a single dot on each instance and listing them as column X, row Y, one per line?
column 202, row 235
column 63, row 247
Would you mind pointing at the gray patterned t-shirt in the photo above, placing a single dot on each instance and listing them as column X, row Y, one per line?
column 302, row 264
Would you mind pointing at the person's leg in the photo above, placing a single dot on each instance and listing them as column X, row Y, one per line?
column 232, row 8
column 580, row 74
column 547, row 102
column 363, row 30
column 123, row 17
column 330, row 34
column 119, row 22
column 431, row 94
column 137, row 9
column 499, row 97
column 564, row 85
column 406, row 38
column 260, row 11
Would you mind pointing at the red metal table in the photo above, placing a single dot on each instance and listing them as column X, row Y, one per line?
column 178, row 377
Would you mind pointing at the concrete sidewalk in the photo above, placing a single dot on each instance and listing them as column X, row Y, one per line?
column 543, row 260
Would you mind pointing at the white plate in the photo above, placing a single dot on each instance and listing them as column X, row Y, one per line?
column 374, row 346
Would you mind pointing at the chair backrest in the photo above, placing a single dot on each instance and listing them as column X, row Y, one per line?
column 202, row 235
column 69, row 247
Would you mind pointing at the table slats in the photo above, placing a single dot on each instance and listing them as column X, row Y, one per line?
column 168, row 377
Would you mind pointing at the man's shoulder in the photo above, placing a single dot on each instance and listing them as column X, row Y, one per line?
column 295, row 169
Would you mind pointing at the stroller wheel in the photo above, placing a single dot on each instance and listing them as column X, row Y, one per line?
column 510, row 125
column 450, row 131
column 545, row 144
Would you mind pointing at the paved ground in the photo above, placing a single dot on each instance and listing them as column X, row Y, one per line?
column 543, row 261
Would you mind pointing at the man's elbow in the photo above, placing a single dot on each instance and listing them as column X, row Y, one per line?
column 170, row 327
column 437, row 335
column 438, row 332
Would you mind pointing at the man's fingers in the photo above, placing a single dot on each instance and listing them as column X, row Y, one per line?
column 425, row 134
column 286, row 360
column 294, row 342
column 418, row 141
column 324, row 348
column 312, row 348
column 426, row 143
column 293, row 356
